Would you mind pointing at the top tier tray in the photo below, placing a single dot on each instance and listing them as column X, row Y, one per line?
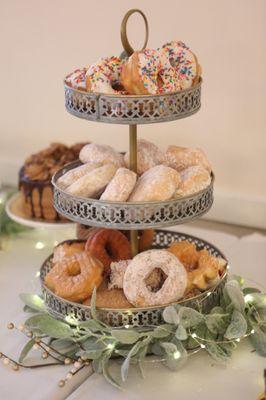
column 131, row 109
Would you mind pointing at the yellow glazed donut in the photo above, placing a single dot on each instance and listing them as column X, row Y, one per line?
column 121, row 186
column 139, row 270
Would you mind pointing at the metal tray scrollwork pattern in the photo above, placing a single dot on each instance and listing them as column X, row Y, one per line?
column 132, row 109
column 136, row 317
column 139, row 215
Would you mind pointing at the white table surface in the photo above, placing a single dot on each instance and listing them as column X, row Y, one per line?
column 199, row 379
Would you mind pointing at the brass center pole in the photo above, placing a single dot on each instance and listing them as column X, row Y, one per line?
column 133, row 167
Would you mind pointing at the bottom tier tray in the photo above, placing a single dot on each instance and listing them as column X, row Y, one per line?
column 138, row 317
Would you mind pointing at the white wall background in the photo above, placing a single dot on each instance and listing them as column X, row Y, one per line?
column 41, row 41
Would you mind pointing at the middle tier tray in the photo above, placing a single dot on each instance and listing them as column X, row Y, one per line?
column 127, row 215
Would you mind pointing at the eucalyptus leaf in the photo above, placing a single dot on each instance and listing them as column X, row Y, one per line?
column 237, row 327
column 250, row 290
column 64, row 346
column 97, row 365
column 216, row 352
column 108, row 376
column 170, row 315
column 217, row 323
column 90, row 354
column 28, row 346
column 235, row 294
column 181, row 333
column 169, row 347
column 190, row 317
column 93, row 325
column 126, row 336
column 126, row 363
column 49, row 326
column 33, row 301
column 177, row 358
column 161, row 331
column 258, row 340
column 157, row 349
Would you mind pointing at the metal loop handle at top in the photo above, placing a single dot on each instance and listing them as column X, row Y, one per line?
column 124, row 39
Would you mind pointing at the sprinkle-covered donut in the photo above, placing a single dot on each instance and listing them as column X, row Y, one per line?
column 108, row 245
column 77, row 79
column 139, row 270
column 184, row 62
column 102, row 75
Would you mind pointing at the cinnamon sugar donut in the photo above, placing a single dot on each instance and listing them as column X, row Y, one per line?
column 157, row 184
column 108, row 245
column 139, row 269
column 71, row 176
column 93, row 183
column 186, row 252
column 121, row 186
column 114, row 298
column 102, row 154
column 148, row 156
column 75, row 278
column 102, row 75
column 193, row 180
column 67, row 249
column 181, row 158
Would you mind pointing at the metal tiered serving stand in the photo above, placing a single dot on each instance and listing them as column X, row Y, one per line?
column 133, row 111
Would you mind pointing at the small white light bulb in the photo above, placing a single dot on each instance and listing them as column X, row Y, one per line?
column 39, row 245
column 176, row 355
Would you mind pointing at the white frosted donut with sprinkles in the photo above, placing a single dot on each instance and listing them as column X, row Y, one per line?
column 102, row 75
column 76, row 79
column 139, row 269
column 184, row 62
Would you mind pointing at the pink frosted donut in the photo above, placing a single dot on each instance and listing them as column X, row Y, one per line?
column 139, row 269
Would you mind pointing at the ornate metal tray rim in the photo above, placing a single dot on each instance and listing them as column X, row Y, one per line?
column 123, row 97
column 60, row 172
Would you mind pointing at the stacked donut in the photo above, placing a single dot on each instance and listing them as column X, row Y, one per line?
column 171, row 68
column 153, row 277
column 105, row 175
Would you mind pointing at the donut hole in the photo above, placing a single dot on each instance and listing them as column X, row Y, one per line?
column 155, row 280
column 73, row 269
column 109, row 251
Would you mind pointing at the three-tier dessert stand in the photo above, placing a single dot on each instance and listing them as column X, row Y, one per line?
column 132, row 110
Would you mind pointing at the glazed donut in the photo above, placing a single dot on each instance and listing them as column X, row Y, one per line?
column 145, row 238
column 184, row 62
column 181, row 158
column 139, row 269
column 74, row 278
column 102, row 154
column 121, row 186
column 148, row 156
column 114, row 298
column 102, row 75
column 157, row 184
column 83, row 232
column 108, row 245
column 67, row 249
column 77, row 79
column 71, row 176
column 193, row 180
column 93, row 183
column 186, row 252
column 148, row 72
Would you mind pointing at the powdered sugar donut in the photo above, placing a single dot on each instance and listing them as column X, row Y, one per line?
column 71, row 176
column 157, row 184
column 148, row 156
column 121, row 186
column 184, row 62
column 181, row 158
column 93, row 183
column 101, row 75
column 139, row 269
column 76, row 79
column 193, row 180
column 101, row 153
column 117, row 272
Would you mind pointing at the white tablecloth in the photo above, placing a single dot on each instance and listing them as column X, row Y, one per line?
column 199, row 379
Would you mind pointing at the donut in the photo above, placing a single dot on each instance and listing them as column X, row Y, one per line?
column 148, row 72
column 71, row 176
column 117, row 272
column 93, row 183
column 186, row 252
column 193, row 180
column 145, row 238
column 114, row 298
column 102, row 75
column 157, row 184
column 184, row 62
column 75, row 278
column 121, row 186
column 102, row 154
column 148, row 156
column 181, row 158
column 67, row 249
column 83, row 232
column 77, row 79
column 108, row 245
column 139, row 269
